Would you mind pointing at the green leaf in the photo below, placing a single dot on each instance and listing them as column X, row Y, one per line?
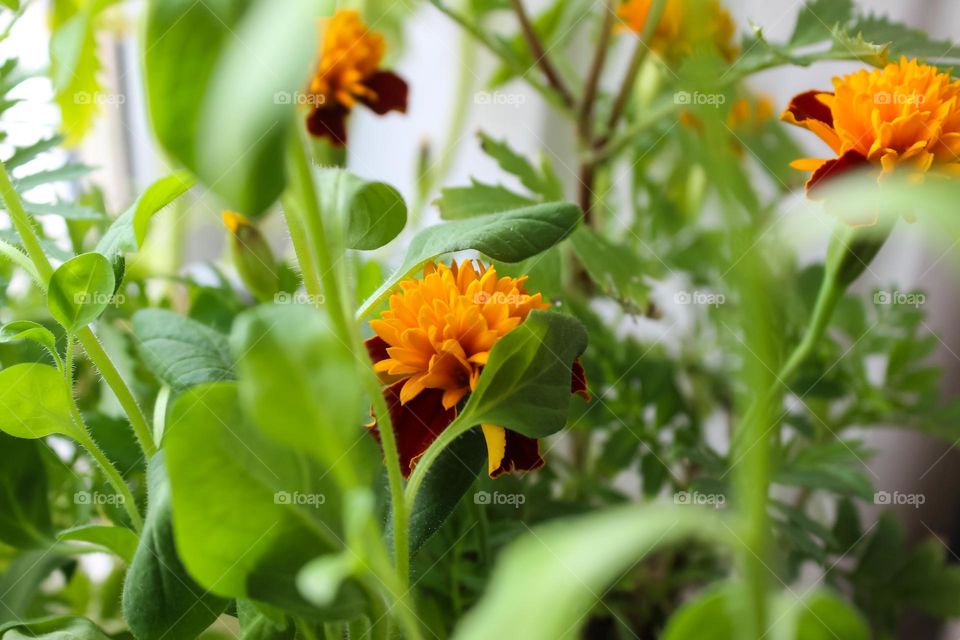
column 159, row 596
column 817, row 19
column 706, row 617
column 64, row 210
column 513, row 163
column 24, row 506
column 27, row 330
column 65, row 173
column 249, row 512
column 23, row 155
column 903, row 39
column 223, row 120
column 372, row 213
column 617, row 270
column 129, row 230
column 34, row 402
column 457, row 203
column 21, row 582
column 449, row 478
column 835, row 466
column 119, row 540
column 13, row 5
column 525, row 386
column 511, row 236
column 823, row 616
column 546, row 582
column 179, row 351
column 300, row 385
column 53, row 628
column 255, row 625
column 80, row 290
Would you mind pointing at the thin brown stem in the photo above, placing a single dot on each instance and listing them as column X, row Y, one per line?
column 540, row 54
column 596, row 70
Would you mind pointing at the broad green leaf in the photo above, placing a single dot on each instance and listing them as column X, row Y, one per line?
column 34, row 402
column 53, row 628
column 80, row 290
column 300, row 385
column 449, row 478
column 511, row 236
column 706, row 617
column 525, row 386
column 457, row 203
column 159, row 596
column 119, row 540
column 24, row 506
column 546, row 582
column 223, row 121
column 823, row 616
column 372, row 213
column 129, row 230
column 617, row 270
column 249, row 512
column 179, row 351
column 27, row 330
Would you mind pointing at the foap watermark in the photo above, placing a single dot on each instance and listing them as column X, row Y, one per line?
column 487, row 498
column 497, row 297
column 888, row 498
column 298, row 498
column 699, row 98
column 87, row 97
column 914, row 299
column 715, row 500
column 514, row 100
column 97, row 498
column 299, row 98
column 285, row 297
column 898, row 98
column 707, row 298
column 99, row 298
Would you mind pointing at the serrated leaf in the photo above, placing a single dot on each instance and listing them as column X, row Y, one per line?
column 62, row 174
column 457, row 203
column 816, row 20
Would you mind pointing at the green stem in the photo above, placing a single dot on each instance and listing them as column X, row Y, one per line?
column 301, row 247
column 349, row 334
column 101, row 360
column 82, row 436
column 22, row 222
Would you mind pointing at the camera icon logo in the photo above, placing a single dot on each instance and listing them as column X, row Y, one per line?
column 282, row 497
column 481, row 497
column 682, row 97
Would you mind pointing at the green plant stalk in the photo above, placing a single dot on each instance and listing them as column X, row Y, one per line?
column 91, row 345
column 350, row 336
column 301, row 247
column 83, row 438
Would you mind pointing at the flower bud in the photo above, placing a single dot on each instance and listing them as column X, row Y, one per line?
column 252, row 257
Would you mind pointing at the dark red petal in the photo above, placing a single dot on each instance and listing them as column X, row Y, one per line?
column 415, row 424
column 520, row 454
column 377, row 348
column 805, row 106
column 391, row 92
column 833, row 168
column 329, row 122
column 578, row 383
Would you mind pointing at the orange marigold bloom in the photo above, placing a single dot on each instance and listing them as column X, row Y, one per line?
column 431, row 345
column 906, row 114
column 681, row 26
column 348, row 72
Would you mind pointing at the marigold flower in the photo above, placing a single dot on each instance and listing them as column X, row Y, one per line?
column 348, row 72
column 430, row 347
column 680, row 28
column 904, row 115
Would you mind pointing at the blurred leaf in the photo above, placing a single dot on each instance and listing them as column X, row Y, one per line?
column 34, row 402
column 457, row 203
column 120, row 540
column 546, row 582
column 511, row 236
column 21, row 581
column 255, row 625
column 617, row 270
column 823, row 616
column 249, row 513
column 835, row 466
column 817, row 19
column 159, row 596
column 23, row 155
column 65, row 173
column 706, row 617
column 24, row 506
column 53, row 628
column 80, row 290
column 179, row 351
column 64, row 210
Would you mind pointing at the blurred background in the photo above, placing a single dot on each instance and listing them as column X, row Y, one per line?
column 436, row 60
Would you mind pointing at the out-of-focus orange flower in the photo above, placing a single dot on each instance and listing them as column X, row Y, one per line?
column 750, row 113
column 680, row 28
column 906, row 115
column 430, row 347
column 348, row 73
